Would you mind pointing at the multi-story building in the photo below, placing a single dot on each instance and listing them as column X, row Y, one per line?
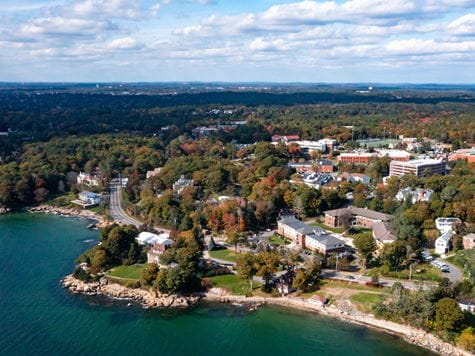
column 354, row 217
column 446, row 224
column 324, row 242
column 383, row 233
column 354, row 178
column 293, row 229
column 444, row 242
column 181, row 184
column 88, row 179
column 359, row 157
column 418, row 167
column 466, row 154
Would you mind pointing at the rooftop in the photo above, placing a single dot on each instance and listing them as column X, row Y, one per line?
column 367, row 213
column 298, row 225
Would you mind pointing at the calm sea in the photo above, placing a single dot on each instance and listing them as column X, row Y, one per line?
column 38, row 317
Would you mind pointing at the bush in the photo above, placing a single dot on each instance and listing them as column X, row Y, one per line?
column 466, row 340
column 82, row 275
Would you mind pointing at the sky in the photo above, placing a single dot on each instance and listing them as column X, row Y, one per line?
column 385, row 41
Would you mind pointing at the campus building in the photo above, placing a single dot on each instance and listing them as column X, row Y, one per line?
column 418, row 167
column 354, row 217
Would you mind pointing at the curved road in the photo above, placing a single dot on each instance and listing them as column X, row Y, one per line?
column 116, row 211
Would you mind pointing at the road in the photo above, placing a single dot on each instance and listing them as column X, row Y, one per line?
column 116, row 211
column 454, row 274
column 352, row 277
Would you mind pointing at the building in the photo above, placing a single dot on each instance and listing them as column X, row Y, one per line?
column 323, row 242
column 153, row 173
column 181, row 184
column 204, row 131
column 150, row 239
column 293, row 229
column 383, row 233
column 466, row 154
column 354, row 178
column 88, row 179
column 159, row 247
column 285, row 139
column 416, row 195
column 446, row 224
column 305, row 167
column 318, row 300
column 469, row 241
column 354, row 217
column 317, row 180
column 443, row 243
column 361, row 157
column 324, row 166
column 418, row 167
column 88, row 199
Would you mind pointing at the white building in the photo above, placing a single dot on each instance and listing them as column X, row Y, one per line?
column 181, row 184
column 416, row 195
column 447, row 224
column 317, row 180
column 354, row 178
column 88, row 199
column 443, row 243
column 322, row 145
column 148, row 238
column 153, row 173
column 88, row 179
column 323, row 242
column 417, row 167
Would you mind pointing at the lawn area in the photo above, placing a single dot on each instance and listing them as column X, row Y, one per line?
column 425, row 272
column 224, row 254
column 132, row 272
column 233, row 284
column 464, row 259
column 278, row 240
column 355, row 231
column 61, row 200
column 365, row 301
column 337, row 230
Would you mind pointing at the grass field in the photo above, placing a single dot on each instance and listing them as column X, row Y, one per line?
column 278, row 240
column 224, row 254
column 365, row 301
column 337, row 230
column 424, row 272
column 233, row 284
column 132, row 273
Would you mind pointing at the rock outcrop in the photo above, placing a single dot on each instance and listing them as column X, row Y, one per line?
column 146, row 298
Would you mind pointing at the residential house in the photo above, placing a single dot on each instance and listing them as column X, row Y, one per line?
column 285, row 139
column 88, row 199
column 153, row 173
column 415, row 195
column 443, row 243
column 354, row 178
column 446, row 224
column 88, row 179
column 469, row 241
column 352, row 216
column 181, row 184
column 158, row 247
column 149, row 238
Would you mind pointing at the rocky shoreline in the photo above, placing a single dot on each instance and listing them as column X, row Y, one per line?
column 150, row 299
column 69, row 212
column 146, row 298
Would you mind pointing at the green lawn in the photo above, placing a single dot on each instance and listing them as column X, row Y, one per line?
column 337, row 230
column 366, row 298
column 233, row 284
column 356, row 231
column 424, row 272
column 132, row 273
column 278, row 240
column 224, row 254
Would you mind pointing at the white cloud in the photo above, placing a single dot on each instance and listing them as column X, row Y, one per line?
column 464, row 25
column 127, row 43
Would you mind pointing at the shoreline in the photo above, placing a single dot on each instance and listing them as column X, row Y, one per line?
column 67, row 212
column 148, row 299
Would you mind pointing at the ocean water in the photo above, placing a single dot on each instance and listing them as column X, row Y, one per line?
column 38, row 317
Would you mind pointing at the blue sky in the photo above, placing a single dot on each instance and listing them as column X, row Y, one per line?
column 412, row 41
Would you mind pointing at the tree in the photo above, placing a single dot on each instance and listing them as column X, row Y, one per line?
column 393, row 255
column 234, row 238
column 365, row 245
column 466, row 340
column 149, row 274
column 246, row 267
column 266, row 265
column 448, row 315
column 309, row 275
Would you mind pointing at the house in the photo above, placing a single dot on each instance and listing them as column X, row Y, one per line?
column 204, row 131
column 88, row 199
column 354, row 178
column 324, row 166
column 159, row 246
column 446, row 224
column 293, row 229
column 467, row 307
column 318, row 300
column 469, row 241
column 88, row 179
column 181, row 184
column 354, row 217
column 416, row 195
column 383, row 233
column 153, row 173
column 285, row 139
column 323, row 242
column 443, row 243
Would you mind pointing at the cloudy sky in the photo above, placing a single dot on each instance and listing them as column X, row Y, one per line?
column 418, row 41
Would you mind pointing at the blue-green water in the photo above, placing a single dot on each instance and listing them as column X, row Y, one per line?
column 38, row 317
